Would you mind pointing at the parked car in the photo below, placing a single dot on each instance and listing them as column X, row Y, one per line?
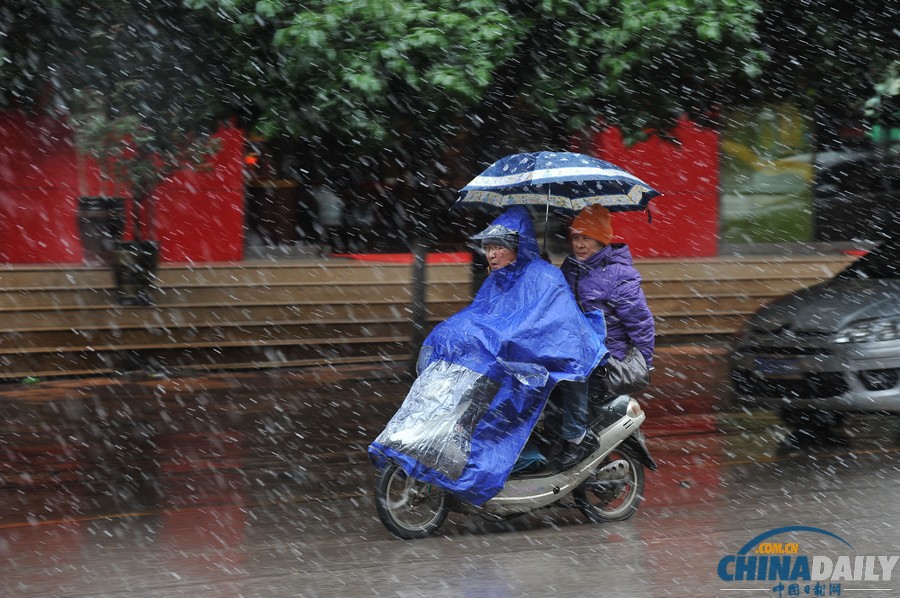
column 832, row 349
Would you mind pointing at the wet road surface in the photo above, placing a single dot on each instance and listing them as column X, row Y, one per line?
column 257, row 484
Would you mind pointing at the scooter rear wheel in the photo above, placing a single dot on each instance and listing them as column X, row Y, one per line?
column 408, row 508
column 617, row 501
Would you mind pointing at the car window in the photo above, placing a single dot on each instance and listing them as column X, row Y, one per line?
column 881, row 262
column 850, row 178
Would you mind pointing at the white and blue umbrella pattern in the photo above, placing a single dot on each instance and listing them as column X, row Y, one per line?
column 564, row 180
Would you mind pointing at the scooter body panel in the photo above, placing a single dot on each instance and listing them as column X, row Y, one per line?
column 522, row 495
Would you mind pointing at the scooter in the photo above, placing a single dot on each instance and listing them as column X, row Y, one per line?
column 607, row 485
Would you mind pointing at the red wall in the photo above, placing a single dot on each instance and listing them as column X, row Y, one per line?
column 199, row 215
column 685, row 219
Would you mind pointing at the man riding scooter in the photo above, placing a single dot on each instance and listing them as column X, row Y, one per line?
column 486, row 372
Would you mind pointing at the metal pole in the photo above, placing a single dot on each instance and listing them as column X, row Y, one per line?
column 419, row 309
column 546, row 221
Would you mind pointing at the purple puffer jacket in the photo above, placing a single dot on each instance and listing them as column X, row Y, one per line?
column 608, row 280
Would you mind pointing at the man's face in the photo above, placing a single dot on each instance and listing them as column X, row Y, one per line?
column 498, row 256
column 584, row 247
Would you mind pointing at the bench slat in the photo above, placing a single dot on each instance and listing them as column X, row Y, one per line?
column 63, row 321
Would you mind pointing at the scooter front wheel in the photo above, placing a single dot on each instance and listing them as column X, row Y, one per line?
column 616, row 499
column 408, row 508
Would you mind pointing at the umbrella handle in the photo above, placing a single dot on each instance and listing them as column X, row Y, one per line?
column 546, row 218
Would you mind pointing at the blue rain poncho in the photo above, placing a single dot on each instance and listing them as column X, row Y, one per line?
column 485, row 374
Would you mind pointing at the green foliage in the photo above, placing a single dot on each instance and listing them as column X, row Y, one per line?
column 831, row 52
column 884, row 106
column 129, row 152
column 410, row 74
column 363, row 70
column 160, row 60
column 789, row 222
column 358, row 66
column 143, row 84
column 640, row 63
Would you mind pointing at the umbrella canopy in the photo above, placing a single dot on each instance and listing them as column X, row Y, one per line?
column 564, row 180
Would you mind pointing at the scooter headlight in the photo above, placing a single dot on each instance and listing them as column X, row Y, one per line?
column 634, row 408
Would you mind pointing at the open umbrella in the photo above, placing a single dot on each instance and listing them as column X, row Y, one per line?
column 563, row 180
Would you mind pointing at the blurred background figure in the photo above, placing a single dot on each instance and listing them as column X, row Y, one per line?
column 330, row 208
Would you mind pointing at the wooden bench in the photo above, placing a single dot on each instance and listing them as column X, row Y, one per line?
column 709, row 298
column 63, row 321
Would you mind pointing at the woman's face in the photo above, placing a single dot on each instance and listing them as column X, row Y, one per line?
column 498, row 256
column 584, row 247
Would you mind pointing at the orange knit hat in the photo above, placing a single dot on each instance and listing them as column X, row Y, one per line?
column 593, row 222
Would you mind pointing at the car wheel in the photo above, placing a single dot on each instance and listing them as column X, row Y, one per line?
column 809, row 426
